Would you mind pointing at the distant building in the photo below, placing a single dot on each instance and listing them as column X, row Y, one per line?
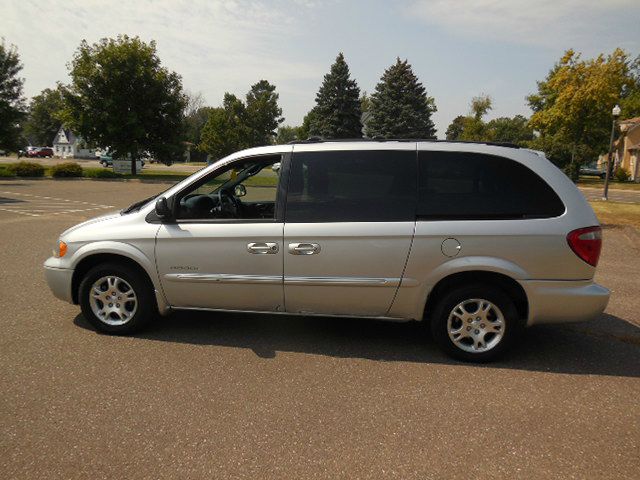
column 68, row 145
column 629, row 147
column 626, row 153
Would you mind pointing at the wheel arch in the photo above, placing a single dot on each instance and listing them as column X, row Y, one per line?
column 91, row 260
column 479, row 277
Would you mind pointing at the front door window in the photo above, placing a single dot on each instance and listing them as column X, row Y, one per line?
column 245, row 190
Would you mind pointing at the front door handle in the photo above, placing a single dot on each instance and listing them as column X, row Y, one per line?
column 262, row 248
column 304, row 248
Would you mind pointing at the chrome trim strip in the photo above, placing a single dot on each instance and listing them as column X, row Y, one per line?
column 343, row 281
column 222, row 278
column 273, row 279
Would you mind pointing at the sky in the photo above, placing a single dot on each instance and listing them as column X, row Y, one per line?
column 457, row 49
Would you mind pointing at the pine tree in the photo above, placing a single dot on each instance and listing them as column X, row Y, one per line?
column 337, row 111
column 400, row 107
column 263, row 113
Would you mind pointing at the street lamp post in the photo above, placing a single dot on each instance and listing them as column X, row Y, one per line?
column 615, row 113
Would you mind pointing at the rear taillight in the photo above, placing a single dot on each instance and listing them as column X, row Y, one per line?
column 586, row 243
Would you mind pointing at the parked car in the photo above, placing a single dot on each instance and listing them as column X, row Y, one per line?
column 476, row 240
column 40, row 152
column 28, row 150
column 106, row 160
column 593, row 172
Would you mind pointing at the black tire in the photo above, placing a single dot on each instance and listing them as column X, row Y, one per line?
column 145, row 308
column 510, row 331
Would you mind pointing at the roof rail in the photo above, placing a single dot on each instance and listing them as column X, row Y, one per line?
column 383, row 139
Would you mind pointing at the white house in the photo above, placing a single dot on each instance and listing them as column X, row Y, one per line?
column 67, row 145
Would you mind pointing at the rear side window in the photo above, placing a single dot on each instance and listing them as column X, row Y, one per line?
column 352, row 186
column 468, row 186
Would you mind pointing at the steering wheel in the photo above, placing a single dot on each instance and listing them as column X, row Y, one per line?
column 227, row 206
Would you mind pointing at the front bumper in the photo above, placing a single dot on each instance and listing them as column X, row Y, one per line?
column 59, row 279
column 564, row 301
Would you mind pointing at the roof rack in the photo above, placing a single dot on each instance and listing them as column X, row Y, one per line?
column 383, row 139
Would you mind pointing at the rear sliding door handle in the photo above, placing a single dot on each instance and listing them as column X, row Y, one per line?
column 304, row 248
column 262, row 248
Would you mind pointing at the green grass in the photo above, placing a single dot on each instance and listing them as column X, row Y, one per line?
column 613, row 213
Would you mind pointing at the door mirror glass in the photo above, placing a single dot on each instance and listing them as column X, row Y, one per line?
column 239, row 190
column 162, row 208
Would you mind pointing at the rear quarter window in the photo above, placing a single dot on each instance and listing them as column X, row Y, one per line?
column 473, row 186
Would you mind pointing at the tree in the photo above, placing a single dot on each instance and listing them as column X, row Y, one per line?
column 474, row 127
column 195, row 102
column 630, row 101
column 455, row 128
column 510, row 130
column 218, row 136
column 480, row 106
column 400, row 107
column 504, row 129
column 304, row 131
column 120, row 96
column 226, row 130
column 365, row 102
column 194, row 123
column 46, row 115
column 237, row 125
column 12, row 106
column 263, row 113
column 573, row 105
column 337, row 111
column 196, row 114
column 287, row 134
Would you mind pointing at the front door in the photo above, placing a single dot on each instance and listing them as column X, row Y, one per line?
column 350, row 218
column 224, row 250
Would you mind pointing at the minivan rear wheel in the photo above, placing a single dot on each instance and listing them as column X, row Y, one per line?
column 475, row 323
column 116, row 299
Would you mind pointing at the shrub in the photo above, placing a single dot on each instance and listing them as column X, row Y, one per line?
column 6, row 171
column 100, row 173
column 66, row 169
column 28, row 169
column 621, row 175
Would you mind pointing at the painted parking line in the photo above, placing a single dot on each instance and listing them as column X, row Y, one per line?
column 40, row 205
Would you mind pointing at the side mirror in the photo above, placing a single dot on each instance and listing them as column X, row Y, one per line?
column 162, row 208
column 239, row 191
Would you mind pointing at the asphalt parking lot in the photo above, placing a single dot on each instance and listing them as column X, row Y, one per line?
column 218, row 395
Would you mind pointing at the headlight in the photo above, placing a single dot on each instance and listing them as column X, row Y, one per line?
column 61, row 251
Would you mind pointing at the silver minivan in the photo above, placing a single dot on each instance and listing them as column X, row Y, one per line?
column 477, row 240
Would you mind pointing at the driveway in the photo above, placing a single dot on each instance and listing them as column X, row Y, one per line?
column 221, row 395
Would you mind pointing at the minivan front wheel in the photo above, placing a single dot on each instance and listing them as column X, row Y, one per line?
column 116, row 299
column 475, row 323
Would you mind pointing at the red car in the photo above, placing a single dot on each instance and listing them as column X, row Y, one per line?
column 40, row 152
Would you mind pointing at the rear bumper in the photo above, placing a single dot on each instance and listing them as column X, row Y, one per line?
column 564, row 301
column 59, row 280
